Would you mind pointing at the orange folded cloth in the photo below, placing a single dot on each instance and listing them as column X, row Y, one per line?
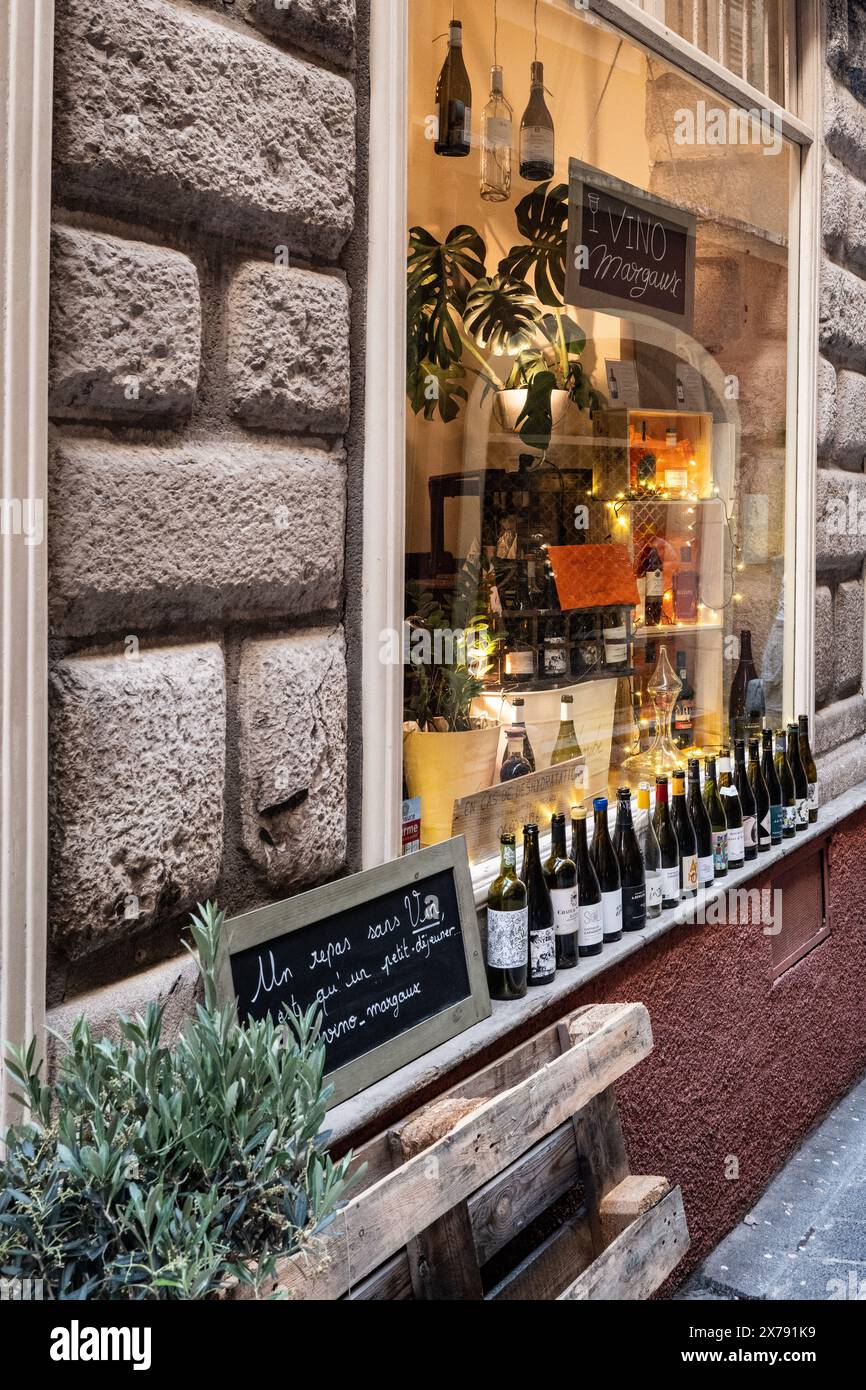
column 593, row 576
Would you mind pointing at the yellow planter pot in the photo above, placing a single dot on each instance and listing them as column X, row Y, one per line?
column 440, row 768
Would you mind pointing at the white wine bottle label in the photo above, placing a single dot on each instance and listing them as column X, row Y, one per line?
column 536, row 143
column 542, row 953
column 689, row 872
column 803, row 810
column 765, row 829
column 467, row 125
column 653, row 890
column 750, row 832
column 790, row 818
column 736, row 844
column 591, row 925
column 611, row 907
column 720, row 850
column 497, row 133
column 634, row 908
column 507, row 938
column 814, row 796
column 654, row 584
column 706, row 870
column 671, row 884
column 566, row 912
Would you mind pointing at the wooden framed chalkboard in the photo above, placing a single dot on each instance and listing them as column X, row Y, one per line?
column 629, row 252
column 392, row 955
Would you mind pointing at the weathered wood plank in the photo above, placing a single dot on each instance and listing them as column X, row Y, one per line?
column 442, row 1263
column 387, row 1215
column 390, row 1283
column 630, row 1199
column 551, row 1267
column 509, row 1202
column 640, row 1259
column 601, row 1155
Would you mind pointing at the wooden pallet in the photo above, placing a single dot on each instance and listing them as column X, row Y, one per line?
column 514, row 1185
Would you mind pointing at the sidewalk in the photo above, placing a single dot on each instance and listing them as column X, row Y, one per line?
column 806, row 1237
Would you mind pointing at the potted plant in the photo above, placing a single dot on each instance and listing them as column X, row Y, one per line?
column 447, row 753
column 459, row 317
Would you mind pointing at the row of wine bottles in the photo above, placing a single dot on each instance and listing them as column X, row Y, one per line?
column 570, row 905
column 454, row 132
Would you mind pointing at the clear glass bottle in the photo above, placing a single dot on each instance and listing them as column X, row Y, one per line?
column 496, row 142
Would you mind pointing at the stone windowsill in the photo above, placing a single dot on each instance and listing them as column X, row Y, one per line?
column 361, row 1111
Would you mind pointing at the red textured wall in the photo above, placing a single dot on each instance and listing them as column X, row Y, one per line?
column 742, row 1066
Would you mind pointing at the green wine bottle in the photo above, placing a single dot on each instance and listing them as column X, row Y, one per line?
column 747, row 800
column 685, row 834
column 607, row 872
column 761, row 793
column 566, row 746
column 560, row 875
column 774, row 788
column 632, row 874
column 733, row 815
column 591, row 931
column 716, row 813
column 668, row 845
column 701, row 825
column 809, row 767
column 786, row 782
column 542, row 938
column 507, row 928
column 798, row 772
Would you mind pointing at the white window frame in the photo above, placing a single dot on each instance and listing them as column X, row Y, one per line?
column 385, row 457
column 26, row 69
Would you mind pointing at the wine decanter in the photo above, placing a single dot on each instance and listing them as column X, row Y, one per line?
column 662, row 756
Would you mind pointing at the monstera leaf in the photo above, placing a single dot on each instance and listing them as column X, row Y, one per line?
column 501, row 314
column 535, row 421
column 542, row 218
column 440, row 274
column 431, row 388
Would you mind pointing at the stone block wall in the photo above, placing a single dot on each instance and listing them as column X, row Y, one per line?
column 840, row 724
column 206, row 311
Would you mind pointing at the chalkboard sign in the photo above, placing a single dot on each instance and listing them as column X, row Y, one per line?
column 628, row 252
column 392, row 956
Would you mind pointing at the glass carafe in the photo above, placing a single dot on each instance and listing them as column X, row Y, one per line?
column 662, row 756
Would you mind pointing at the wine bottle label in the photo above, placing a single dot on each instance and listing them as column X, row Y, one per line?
column 542, row 953
column 497, row 133
column 790, row 817
column 611, row 909
column 615, row 653
column 736, row 844
column 467, row 125
column 507, row 938
column 536, row 144
column 671, row 884
column 706, row 870
column 689, row 872
column 566, row 912
column 591, row 924
column 654, row 584
column 520, row 663
column 777, row 821
column 634, row 908
column 803, row 811
column 720, row 850
column 814, row 796
column 641, row 597
column 653, row 890
column 765, row 828
column 750, row 832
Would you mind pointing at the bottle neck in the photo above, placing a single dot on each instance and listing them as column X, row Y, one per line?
column 745, row 646
column 661, row 793
column 496, row 89
column 507, row 857
column 455, row 36
column 565, row 712
column 530, row 850
column 557, row 839
column 537, row 77
column 623, row 813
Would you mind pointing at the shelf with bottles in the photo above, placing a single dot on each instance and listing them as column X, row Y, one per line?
column 552, row 648
column 654, row 455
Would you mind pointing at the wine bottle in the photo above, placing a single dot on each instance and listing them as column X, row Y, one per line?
column 761, row 793
column 632, row 874
column 683, row 721
column 744, row 673
column 566, row 746
column 650, row 585
column 685, row 834
column 496, row 141
column 542, row 938
column 590, row 939
column 514, row 764
column 507, row 928
column 701, row 826
column 733, row 815
column 669, row 849
column 518, row 721
column 718, row 822
column 747, row 801
column 607, row 872
column 560, row 875
column 454, row 99
column 774, row 788
column 809, row 767
column 536, row 133
column 798, row 772
column 650, row 852
column 786, row 782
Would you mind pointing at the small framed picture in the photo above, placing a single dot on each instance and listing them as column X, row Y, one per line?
column 622, row 387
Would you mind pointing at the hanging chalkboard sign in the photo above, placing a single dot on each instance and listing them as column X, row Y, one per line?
column 629, row 253
column 392, row 956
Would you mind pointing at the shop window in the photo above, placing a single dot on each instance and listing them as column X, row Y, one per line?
column 752, row 38
column 598, row 454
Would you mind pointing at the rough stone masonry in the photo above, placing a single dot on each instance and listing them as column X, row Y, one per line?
column 201, row 338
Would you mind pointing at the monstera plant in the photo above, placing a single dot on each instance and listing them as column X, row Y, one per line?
column 459, row 317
